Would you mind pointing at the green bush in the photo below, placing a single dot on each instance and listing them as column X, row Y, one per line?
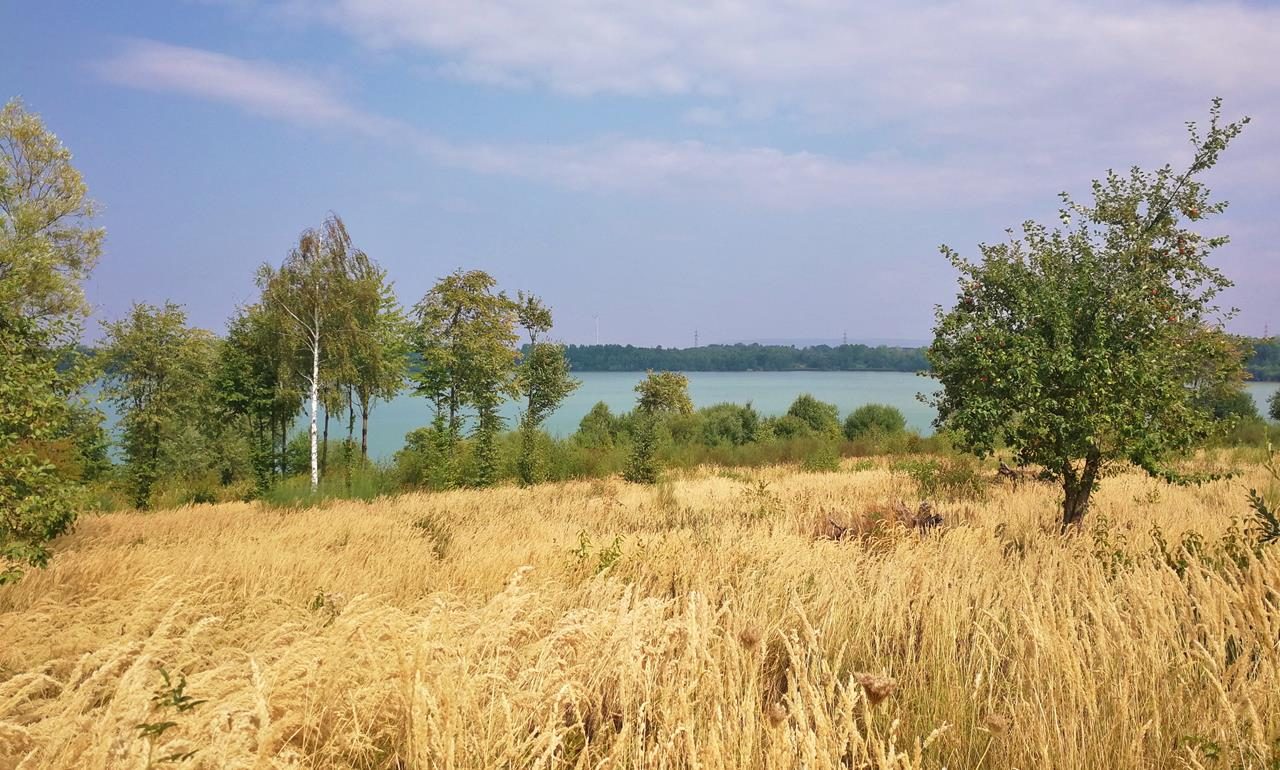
column 825, row 459
column 821, row 417
column 729, row 425
column 949, row 478
column 874, row 420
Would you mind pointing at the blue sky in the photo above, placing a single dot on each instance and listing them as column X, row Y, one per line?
column 748, row 169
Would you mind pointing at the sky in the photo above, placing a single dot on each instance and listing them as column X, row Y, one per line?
column 740, row 168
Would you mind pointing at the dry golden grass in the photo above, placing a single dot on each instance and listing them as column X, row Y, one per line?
column 473, row 630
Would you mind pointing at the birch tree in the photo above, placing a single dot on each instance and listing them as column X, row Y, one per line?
column 314, row 290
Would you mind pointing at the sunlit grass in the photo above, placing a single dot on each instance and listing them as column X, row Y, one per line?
column 699, row 623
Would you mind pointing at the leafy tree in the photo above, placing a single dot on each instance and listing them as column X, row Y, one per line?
column 1274, row 405
column 465, row 336
column 874, row 419
column 253, row 387
column 1229, row 403
column 315, row 293
column 1089, row 343
column 543, row 380
column 598, row 427
column 48, row 246
column 821, row 417
column 379, row 348
column 660, row 394
column 730, row 424
column 154, row 375
column 664, row 393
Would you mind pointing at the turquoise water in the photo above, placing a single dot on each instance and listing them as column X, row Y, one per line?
column 769, row 392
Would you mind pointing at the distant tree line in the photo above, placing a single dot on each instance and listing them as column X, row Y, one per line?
column 1262, row 364
column 746, row 358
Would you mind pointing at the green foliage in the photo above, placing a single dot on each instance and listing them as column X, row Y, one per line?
column 47, row 249
column 1266, row 525
column 542, row 379
column 1230, row 403
column 598, row 427
column 322, row 299
column 664, row 393
column 787, row 427
column 465, row 336
column 948, row 478
column 746, row 358
column 605, row 556
column 730, row 425
column 825, row 459
column 1273, row 406
column 37, row 492
column 874, row 420
column 643, row 466
column 820, row 417
column 1089, row 343
column 169, row 697
column 156, row 378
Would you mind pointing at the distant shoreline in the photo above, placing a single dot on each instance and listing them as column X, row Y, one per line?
column 1263, row 365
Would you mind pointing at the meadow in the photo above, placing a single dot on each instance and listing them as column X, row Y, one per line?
column 711, row 621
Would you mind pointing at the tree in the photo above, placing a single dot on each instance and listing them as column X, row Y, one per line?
column 252, row 385
column 542, row 378
column 48, row 246
column 379, row 350
column 874, row 419
column 155, row 372
column 821, row 417
column 598, row 427
column 314, row 289
column 661, row 394
column 1089, row 343
column 664, row 393
column 466, row 338
column 1274, row 405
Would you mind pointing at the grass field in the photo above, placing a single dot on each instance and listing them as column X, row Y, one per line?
column 703, row 623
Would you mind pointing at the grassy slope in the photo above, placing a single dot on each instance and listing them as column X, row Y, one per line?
column 724, row 636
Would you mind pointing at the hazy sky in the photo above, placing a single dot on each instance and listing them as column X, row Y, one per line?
column 750, row 169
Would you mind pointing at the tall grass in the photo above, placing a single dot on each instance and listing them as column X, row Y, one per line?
column 699, row 623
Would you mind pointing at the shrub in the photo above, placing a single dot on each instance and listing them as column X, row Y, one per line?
column 821, row 417
column 642, row 464
column 825, row 459
column 729, row 424
column 874, row 420
column 598, row 428
column 952, row 478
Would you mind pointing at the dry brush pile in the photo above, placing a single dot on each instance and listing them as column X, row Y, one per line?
column 707, row 623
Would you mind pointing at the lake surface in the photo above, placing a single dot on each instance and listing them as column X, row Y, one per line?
column 769, row 392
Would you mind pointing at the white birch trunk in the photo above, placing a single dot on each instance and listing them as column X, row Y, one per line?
column 315, row 405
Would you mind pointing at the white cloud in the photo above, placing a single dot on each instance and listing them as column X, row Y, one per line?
column 908, row 58
column 259, row 87
column 619, row 164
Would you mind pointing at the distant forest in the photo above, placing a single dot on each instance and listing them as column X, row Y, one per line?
column 1264, row 364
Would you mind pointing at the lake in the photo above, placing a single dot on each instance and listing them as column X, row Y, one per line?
column 769, row 392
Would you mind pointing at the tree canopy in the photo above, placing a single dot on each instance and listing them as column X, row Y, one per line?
column 1090, row 342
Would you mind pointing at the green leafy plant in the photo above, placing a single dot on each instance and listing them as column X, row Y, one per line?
column 1094, row 342
column 170, row 698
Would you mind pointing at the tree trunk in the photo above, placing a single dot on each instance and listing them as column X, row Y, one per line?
column 1078, row 489
column 364, row 429
column 324, row 445
column 315, row 405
